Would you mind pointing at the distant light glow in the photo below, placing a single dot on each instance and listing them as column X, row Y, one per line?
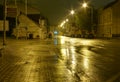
column 55, row 32
column 62, row 24
column 72, row 12
column 67, row 20
column 84, row 5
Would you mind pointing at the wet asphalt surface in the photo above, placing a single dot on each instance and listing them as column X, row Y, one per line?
column 60, row 60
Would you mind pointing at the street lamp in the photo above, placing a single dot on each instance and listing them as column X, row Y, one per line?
column 67, row 20
column 84, row 5
column 72, row 12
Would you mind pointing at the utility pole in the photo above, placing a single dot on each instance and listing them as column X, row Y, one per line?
column 26, row 7
column 17, row 11
column 92, row 28
column 15, row 3
column 4, row 26
column 16, row 19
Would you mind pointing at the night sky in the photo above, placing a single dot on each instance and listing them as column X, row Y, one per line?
column 55, row 10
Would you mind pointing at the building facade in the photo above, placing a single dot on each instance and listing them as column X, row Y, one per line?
column 108, row 20
column 26, row 28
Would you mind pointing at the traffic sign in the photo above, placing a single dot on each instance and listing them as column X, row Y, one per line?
column 11, row 11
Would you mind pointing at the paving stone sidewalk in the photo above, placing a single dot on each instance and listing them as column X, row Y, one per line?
column 32, row 61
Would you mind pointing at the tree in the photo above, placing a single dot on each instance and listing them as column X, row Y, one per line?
column 82, row 20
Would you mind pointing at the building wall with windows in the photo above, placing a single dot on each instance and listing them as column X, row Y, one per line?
column 26, row 28
column 108, row 20
column 105, row 23
column 116, row 19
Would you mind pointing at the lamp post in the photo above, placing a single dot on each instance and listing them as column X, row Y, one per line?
column 92, row 20
column 15, row 2
column 16, row 19
column 4, row 26
column 17, row 12
column 85, row 5
column 72, row 27
column 26, row 7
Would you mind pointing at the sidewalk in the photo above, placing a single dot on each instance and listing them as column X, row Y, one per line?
column 32, row 61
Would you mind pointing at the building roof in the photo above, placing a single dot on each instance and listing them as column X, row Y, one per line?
column 111, row 4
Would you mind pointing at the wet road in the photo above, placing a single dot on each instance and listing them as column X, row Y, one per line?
column 92, row 60
column 60, row 60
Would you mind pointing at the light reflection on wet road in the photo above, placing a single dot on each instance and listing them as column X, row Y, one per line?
column 96, row 60
column 60, row 60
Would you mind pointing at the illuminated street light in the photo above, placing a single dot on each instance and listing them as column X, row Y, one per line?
column 84, row 5
column 63, row 23
column 72, row 12
column 66, row 20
